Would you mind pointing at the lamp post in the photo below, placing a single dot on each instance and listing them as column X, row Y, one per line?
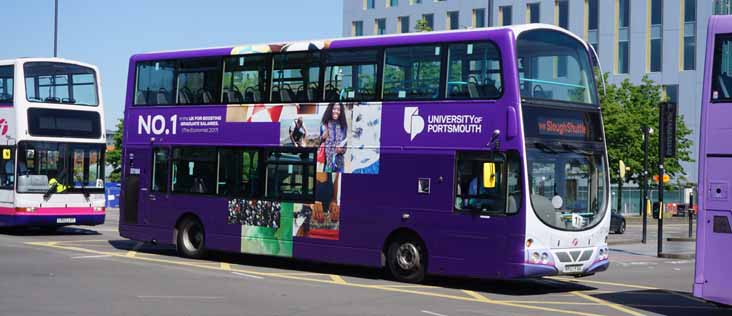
column 55, row 28
column 647, row 131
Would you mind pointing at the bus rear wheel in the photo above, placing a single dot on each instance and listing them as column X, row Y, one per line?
column 406, row 260
column 191, row 241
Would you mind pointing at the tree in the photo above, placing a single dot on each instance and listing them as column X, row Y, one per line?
column 626, row 108
column 422, row 26
column 114, row 156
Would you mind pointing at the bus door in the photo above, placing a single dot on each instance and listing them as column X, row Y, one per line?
column 7, row 176
column 155, row 196
column 136, row 185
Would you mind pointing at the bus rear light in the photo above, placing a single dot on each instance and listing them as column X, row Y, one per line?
column 25, row 209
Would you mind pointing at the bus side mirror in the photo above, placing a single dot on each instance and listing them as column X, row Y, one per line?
column 489, row 175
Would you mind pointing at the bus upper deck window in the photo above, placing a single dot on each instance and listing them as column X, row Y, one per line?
column 474, row 71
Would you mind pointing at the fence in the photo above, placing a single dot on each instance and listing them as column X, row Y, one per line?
column 631, row 199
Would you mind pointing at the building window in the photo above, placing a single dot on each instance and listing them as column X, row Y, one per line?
column 504, row 15
column 655, row 37
column 593, row 22
column 453, row 20
column 380, row 26
column 722, row 7
column 413, row 2
column 430, row 19
column 392, row 3
column 478, row 18
column 403, row 24
column 671, row 93
column 622, row 64
column 369, row 4
column 532, row 12
column 357, row 28
column 562, row 13
column 688, row 56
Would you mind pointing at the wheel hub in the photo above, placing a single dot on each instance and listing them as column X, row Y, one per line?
column 407, row 256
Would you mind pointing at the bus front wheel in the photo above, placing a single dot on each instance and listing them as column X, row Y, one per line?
column 191, row 239
column 407, row 260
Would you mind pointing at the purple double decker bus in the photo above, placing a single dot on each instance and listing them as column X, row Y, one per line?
column 713, row 279
column 472, row 153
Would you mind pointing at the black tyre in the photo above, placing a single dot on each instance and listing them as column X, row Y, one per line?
column 621, row 228
column 191, row 241
column 406, row 259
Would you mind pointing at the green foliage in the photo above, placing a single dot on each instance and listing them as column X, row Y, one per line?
column 114, row 157
column 422, row 26
column 626, row 108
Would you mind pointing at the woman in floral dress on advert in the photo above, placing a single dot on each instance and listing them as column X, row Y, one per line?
column 333, row 132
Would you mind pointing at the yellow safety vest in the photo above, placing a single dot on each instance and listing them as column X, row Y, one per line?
column 59, row 187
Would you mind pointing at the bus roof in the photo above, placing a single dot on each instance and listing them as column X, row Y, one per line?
column 359, row 41
column 45, row 59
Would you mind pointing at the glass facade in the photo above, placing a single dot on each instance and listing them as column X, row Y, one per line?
column 689, row 35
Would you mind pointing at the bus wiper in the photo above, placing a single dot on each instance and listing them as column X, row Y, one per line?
column 51, row 190
column 575, row 149
column 544, row 148
column 84, row 190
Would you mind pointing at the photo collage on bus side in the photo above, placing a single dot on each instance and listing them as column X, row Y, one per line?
column 342, row 137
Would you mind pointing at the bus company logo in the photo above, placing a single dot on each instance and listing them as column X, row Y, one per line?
column 413, row 123
column 575, row 242
column 3, row 127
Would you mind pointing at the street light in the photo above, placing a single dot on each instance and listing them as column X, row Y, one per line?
column 55, row 28
column 647, row 131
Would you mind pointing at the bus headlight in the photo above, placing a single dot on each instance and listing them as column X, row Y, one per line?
column 98, row 209
column 535, row 257
column 25, row 209
column 544, row 258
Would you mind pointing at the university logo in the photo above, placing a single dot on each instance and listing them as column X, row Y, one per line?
column 413, row 123
column 3, row 127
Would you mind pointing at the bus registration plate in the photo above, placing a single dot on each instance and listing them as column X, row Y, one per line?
column 66, row 220
column 573, row 268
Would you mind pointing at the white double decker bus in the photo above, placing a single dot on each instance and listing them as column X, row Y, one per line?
column 52, row 143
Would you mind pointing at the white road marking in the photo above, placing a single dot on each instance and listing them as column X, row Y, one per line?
column 433, row 313
column 92, row 256
column 248, row 275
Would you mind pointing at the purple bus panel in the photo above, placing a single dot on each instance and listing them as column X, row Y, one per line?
column 713, row 279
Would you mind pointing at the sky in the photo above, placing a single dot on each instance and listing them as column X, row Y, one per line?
column 106, row 33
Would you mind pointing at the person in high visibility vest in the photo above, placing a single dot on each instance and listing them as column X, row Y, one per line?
column 52, row 182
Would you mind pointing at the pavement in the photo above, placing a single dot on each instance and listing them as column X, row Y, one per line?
column 93, row 271
column 676, row 241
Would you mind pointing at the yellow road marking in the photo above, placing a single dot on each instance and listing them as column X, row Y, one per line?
column 553, row 303
column 406, row 286
column 132, row 253
column 298, row 273
column 225, row 266
column 477, row 296
column 338, row 279
column 614, row 306
column 480, row 299
column 643, row 287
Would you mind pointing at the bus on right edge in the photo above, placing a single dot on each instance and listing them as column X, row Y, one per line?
column 713, row 279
